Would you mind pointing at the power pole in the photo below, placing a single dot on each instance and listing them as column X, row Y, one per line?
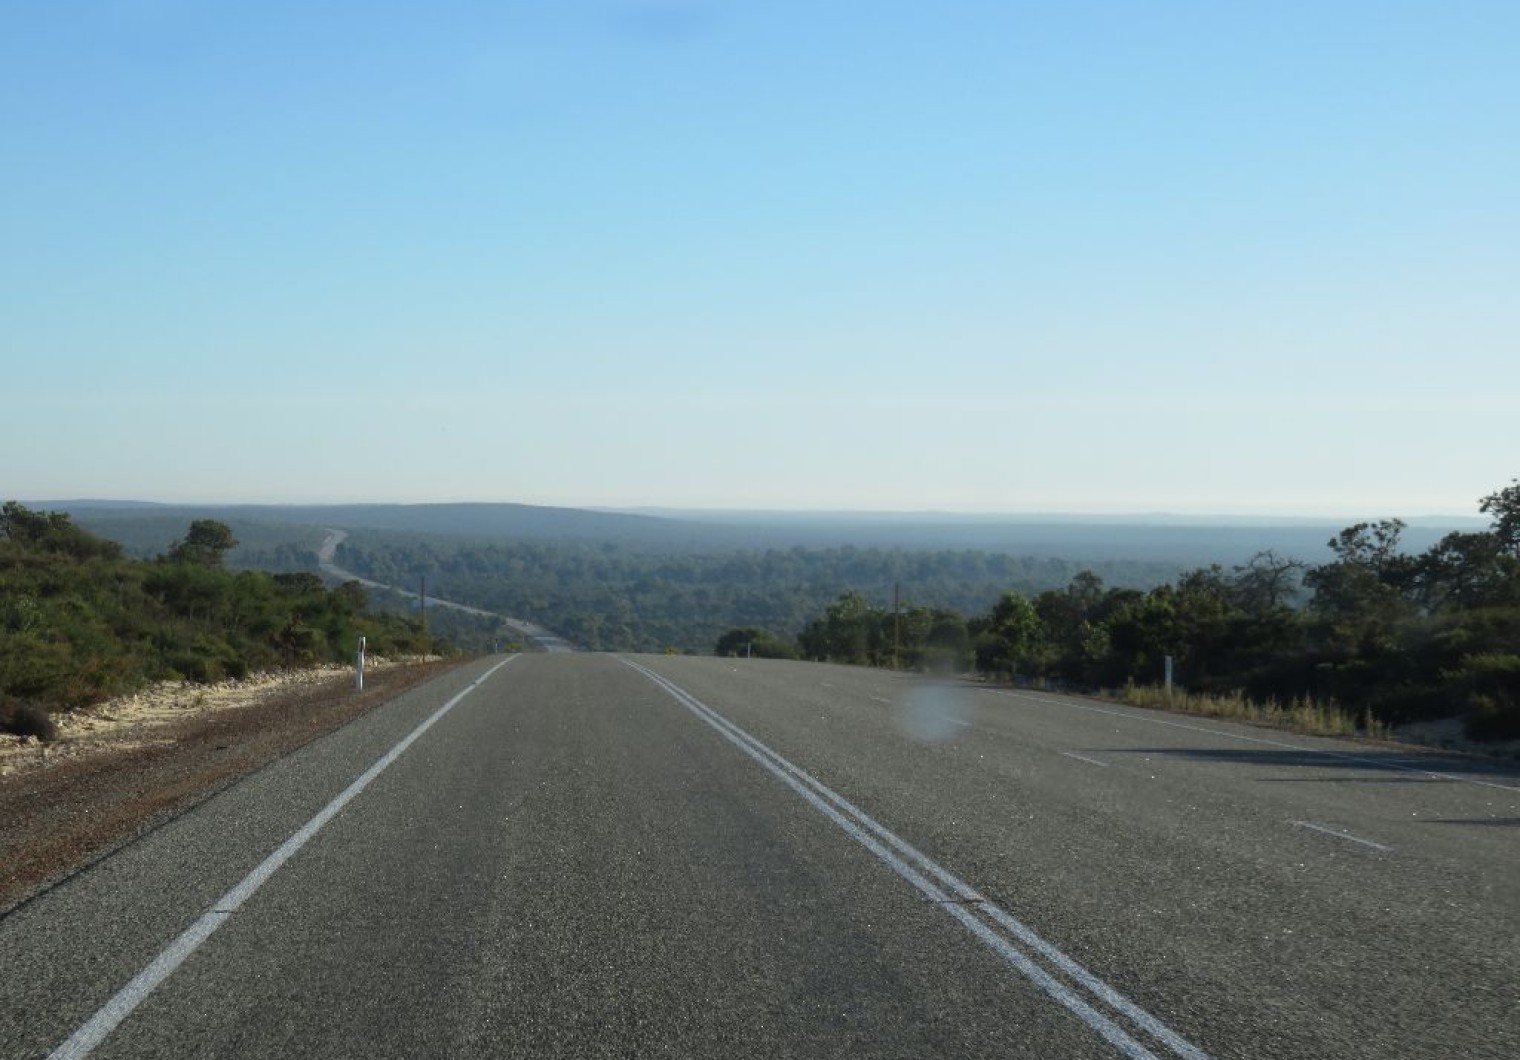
column 896, row 623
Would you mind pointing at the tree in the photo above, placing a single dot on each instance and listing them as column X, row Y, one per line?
column 1366, row 585
column 849, row 631
column 1142, row 631
column 1504, row 506
column 1465, row 570
column 1266, row 583
column 1374, row 546
column 1010, row 633
column 205, row 545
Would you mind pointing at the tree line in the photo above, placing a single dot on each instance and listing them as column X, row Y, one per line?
column 1408, row 636
column 80, row 621
column 612, row 597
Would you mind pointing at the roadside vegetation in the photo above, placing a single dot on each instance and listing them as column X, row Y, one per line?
column 1301, row 714
column 1380, row 634
column 80, row 621
column 1377, row 636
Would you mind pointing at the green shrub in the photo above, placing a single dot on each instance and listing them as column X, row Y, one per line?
column 80, row 622
column 1493, row 702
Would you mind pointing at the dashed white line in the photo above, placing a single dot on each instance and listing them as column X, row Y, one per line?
column 1341, row 833
column 1084, row 758
column 83, row 1041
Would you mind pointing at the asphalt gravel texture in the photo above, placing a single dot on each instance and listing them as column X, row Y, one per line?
column 573, row 862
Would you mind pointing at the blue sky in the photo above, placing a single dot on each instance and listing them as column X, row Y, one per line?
column 984, row 256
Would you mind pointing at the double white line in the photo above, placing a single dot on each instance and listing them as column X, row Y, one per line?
column 1086, row 996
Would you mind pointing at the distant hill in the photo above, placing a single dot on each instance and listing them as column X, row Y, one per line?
column 1180, row 541
column 146, row 529
column 1142, row 539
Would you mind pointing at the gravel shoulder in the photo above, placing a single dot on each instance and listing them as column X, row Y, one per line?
column 125, row 767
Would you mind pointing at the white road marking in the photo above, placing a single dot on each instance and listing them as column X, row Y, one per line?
column 83, row 1041
column 1341, row 833
column 1084, row 758
column 878, row 699
column 962, row 724
column 1380, row 763
column 952, row 894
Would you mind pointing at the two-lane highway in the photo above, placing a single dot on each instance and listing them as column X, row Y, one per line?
column 585, row 855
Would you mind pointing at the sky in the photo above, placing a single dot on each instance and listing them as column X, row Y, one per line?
column 989, row 256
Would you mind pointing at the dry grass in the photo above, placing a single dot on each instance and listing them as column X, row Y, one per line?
column 1302, row 714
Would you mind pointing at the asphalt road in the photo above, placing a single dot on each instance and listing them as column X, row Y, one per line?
column 584, row 855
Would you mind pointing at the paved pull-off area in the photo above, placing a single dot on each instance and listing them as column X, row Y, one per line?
column 588, row 855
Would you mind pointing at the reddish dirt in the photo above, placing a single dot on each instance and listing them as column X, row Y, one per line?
column 58, row 819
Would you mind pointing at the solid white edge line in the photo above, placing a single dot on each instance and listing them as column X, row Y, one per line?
column 84, row 1040
column 1074, row 704
column 1084, row 758
column 795, row 777
column 1339, row 834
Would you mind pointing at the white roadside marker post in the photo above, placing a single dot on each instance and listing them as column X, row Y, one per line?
column 359, row 667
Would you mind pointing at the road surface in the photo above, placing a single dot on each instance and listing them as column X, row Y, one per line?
column 589, row 855
column 532, row 632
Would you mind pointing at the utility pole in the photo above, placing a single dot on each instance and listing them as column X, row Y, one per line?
column 896, row 623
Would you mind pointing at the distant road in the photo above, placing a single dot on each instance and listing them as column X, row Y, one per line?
column 592, row 856
column 530, row 631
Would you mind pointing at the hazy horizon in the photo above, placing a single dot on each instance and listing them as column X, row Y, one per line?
column 1266, row 518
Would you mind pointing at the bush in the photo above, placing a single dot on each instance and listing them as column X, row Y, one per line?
column 759, row 643
column 79, row 622
column 1493, row 700
column 26, row 719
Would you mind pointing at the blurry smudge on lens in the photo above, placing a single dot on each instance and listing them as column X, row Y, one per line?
column 934, row 712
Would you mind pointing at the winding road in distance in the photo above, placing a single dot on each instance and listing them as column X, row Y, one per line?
column 530, row 631
column 584, row 855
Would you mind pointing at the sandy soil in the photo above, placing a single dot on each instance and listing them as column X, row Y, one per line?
column 145, row 718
